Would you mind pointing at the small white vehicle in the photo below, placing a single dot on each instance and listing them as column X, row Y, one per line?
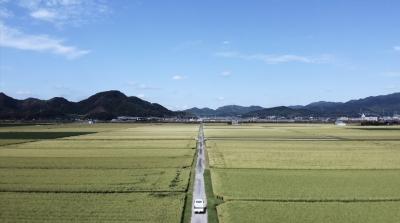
column 199, row 206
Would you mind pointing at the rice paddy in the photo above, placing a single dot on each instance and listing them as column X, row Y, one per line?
column 95, row 173
column 141, row 172
column 305, row 173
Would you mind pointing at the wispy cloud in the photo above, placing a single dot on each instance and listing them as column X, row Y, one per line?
column 190, row 44
column 147, row 87
column 61, row 12
column 391, row 87
column 220, row 98
column 24, row 94
column 5, row 13
column 226, row 42
column 44, row 14
column 226, row 73
column 141, row 96
column 178, row 77
column 13, row 38
column 275, row 59
column 396, row 48
column 142, row 86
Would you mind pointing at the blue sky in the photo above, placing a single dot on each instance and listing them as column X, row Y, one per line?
column 201, row 53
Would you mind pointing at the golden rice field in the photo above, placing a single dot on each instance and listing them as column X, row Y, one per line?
column 305, row 173
column 95, row 173
column 141, row 172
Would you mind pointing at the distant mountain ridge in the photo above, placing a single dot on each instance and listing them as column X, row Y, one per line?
column 282, row 111
column 110, row 104
column 224, row 111
column 104, row 105
column 374, row 105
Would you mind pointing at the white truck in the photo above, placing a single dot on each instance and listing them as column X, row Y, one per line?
column 199, row 206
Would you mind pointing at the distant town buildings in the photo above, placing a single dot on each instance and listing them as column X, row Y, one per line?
column 340, row 121
column 235, row 122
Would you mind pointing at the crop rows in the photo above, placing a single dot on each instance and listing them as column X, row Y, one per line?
column 85, row 207
column 305, row 154
column 332, row 212
column 121, row 173
column 305, row 173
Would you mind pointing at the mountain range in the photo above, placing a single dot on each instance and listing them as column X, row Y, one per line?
column 224, row 111
column 104, row 105
column 111, row 104
column 374, row 105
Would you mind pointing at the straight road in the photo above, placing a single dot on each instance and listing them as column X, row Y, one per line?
column 199, row 191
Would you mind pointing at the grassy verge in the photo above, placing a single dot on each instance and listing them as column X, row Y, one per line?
column 187, row 209
column 212, row 201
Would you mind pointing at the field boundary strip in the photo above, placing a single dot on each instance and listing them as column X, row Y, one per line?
column 93, row 192
column 40, row 135
column 89, row 168
column 316, row 200
column 19, row 143
column 317, row 169
column 123, row 139
column 101, row 148
column 272, row 139
column 295, row 139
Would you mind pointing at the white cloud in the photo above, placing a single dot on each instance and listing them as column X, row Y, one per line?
column 141, row 96
column 226, row 42
column 142, row 86
column 220, row 98
column 146, row 87
column 178, row 77
column 397, row 48
column 44, row 14
column 61, row 12
column 14, row 38
column 275, row 59
column 226, row 73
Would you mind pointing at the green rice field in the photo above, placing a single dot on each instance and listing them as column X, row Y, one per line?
column 142, row 173
column 95, row 173
column 87, row 207
column 305, row 173
column 332, row 212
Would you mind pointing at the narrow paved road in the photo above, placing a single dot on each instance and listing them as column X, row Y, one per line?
column 199, row 191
